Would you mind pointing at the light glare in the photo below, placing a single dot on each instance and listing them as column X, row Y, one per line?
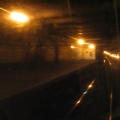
column 72, row 47
column 19, row 17
column 81, row 41
column 89, row 86
column 78, row 102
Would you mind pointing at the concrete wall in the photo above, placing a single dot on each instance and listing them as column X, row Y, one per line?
column 11, row 54
column 67, row 53
column 64, row 53
column 49, row 54
column 89, row 54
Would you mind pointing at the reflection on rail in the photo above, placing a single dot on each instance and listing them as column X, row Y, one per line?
column 83, row 94
column 88, row 88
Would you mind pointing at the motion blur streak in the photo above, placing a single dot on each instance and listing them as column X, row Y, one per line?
column 4, row 10
column 111, row 97
column 111, row 91
column 116, row 18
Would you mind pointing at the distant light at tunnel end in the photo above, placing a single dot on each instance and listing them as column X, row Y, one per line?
column 91, row 46
column 72, row 46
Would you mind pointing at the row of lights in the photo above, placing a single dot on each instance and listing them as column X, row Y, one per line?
column 81, row 42
column 112, row 55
